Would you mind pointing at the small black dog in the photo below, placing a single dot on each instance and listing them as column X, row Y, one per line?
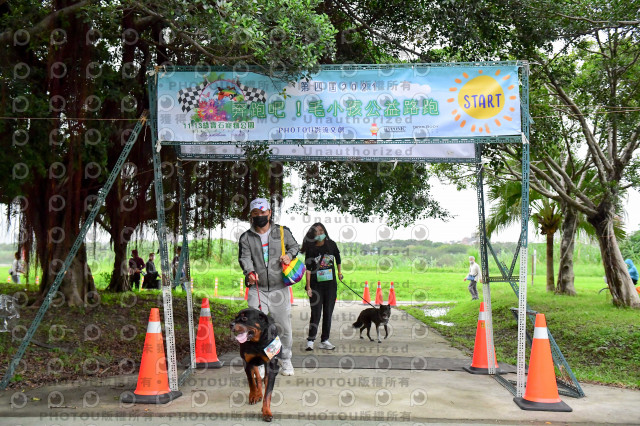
column 376, row 315
column 259, row 345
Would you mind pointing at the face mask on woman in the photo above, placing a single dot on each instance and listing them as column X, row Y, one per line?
column 259, row 221
column 320, row 237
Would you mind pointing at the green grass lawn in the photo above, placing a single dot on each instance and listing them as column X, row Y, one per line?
column 433, row 285
column 600, row 342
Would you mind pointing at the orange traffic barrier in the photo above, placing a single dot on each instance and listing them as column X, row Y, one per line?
column 206, row 356
column 366, row 296
column 153, row 382
column 379, row 295
column 541, row 393
column 243, row 288
column 480, row 361
column 215, row 289
column 291, row 294
column 392, row 296
column 246, row 293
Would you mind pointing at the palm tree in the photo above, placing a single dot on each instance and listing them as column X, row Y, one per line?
column 506, row 196
column 547, row 219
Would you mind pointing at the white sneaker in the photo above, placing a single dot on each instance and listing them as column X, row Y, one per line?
column 309, row 345
column 287, row 368
column 261, row 371
column 326, row 345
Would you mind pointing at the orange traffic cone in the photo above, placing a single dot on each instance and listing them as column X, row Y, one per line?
column 480, row 362
column 379, row 294
column 246, row 293
column 366, row 297
column 206, row 356
column 291, row 295
column 392, row 296
column 541, row 393
column 153, row 382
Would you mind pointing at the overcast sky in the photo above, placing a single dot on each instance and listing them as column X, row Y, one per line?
column 461, row 204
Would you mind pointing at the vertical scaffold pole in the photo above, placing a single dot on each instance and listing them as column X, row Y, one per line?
column 187, row 267
column 524, row 234
column 172, row 368
column 484, row 262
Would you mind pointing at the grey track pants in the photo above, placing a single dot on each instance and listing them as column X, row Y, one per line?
column 473, row 289
column 276, row 303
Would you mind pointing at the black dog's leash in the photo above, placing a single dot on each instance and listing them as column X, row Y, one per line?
column 354, row 292
column 369, row 303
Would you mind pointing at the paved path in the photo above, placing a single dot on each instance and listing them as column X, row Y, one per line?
column 413, row 376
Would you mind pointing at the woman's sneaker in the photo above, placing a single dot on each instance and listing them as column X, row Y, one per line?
column 326, row 345
column 309, row 345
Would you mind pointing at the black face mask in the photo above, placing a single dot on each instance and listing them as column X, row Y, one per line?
column 259, row 221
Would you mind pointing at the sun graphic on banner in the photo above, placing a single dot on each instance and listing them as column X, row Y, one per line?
column 484, row 100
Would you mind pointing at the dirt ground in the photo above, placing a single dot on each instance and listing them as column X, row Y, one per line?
column 102, row 339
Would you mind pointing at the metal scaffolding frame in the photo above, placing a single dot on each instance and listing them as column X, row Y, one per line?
column 519, row 285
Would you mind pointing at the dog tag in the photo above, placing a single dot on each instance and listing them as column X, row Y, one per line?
column 273, row 348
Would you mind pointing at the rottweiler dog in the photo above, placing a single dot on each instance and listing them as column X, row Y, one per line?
column 374, row 315
column 259, row 345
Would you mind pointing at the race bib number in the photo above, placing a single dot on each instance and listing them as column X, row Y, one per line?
column 273, row 348
column 325, row 275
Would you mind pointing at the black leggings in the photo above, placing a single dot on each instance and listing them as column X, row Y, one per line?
column 323, row 300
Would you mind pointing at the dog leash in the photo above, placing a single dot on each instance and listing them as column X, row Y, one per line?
column 369, row 303
column 258, row 291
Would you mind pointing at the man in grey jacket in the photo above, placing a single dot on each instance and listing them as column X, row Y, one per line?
column 260, row 258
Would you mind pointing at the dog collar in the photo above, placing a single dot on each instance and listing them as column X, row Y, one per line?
column 273, row 348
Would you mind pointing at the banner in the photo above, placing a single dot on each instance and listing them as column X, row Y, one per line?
column 361, row 105
column 347, row 152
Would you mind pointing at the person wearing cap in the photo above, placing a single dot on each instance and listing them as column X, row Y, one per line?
column 260, row 258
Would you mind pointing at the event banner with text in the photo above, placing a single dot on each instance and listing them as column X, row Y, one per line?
column 348, row 106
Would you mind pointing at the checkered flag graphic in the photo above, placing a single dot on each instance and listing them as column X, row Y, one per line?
column 251, row 94
column 188, row 97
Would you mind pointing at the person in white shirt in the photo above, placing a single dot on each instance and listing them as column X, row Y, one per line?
column 474, row 276
column 16, row 269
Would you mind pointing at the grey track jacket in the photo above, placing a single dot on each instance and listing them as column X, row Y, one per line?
column 251, row 259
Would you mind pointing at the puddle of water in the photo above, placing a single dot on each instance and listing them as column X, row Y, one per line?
column 436, row 312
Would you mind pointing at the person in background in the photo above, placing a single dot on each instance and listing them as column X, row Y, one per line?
column 321, row 258
column 260, row 257
column 136, row 265
column 473, row 277
column 174, row 267
column 633, row 271
column 17, row 268
column 151, row 279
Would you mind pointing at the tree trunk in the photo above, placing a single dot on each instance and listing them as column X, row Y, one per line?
column 623, row 293
column 77, row 283
column 567, row 242
column 550, row 275
column 118, row 282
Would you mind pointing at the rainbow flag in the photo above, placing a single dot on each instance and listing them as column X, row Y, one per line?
column 293, row 272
